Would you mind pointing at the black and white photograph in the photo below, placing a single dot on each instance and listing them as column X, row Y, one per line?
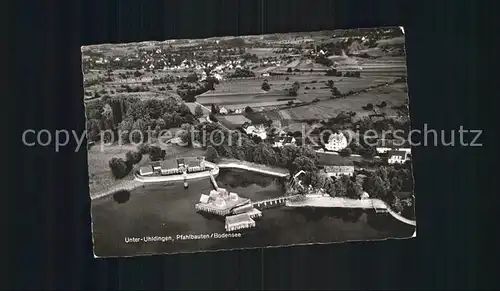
column 255, row 141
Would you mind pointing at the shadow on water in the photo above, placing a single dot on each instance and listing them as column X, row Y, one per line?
column 316, row 214
column 121, row 197
column 210, row 216
column 242, row 179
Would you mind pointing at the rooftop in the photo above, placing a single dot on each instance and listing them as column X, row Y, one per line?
column 168, row 164
column 401, row 154
column 339, row 169
column 146, row 169
column 239, row 218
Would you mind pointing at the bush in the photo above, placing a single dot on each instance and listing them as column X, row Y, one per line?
column 287, row 78
column 144, row 148
column 212, row 155
column 265, row 86
column 156, row 153
column 133, row 157
column 368, row 106
column 198, row 111
column 213, row 118
column 345, row 152
column 119, row 168
column 289, row 70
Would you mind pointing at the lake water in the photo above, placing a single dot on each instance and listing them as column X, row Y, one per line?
column 168, row 210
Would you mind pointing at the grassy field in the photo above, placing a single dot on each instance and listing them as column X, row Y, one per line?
column 100, row 176
column 233, row 121
column 393, row 95
column 192, row 108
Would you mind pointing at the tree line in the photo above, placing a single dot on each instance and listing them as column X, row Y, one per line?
column 132, row 113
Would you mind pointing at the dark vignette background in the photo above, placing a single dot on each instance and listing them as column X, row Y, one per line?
column 49, row 240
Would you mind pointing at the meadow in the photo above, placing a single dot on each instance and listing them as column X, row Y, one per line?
column 393, row 95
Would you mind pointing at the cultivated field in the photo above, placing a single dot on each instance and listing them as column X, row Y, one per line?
column 393, row 95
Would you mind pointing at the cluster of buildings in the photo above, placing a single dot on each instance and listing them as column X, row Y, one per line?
column 172, row 167
column 239, row 211
column 282, row 141
column 398, row 152
column 339, row 171
column 256, row 130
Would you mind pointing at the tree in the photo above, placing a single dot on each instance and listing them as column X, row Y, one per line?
column 119, row 168
column 198, row 111
column 264, row 154
column 304, row 163
column 318, row 180
column 383, row 104
column 138, row 129
column 396, row 184
column 353, row 189
column 213, row 118
column 192, row 78
column 289, row 70
column 133, row 157
column 93, row 130
column 265, row 86
column 248, row 109
column 156, row 153
column 213, row 109
column 345, row 152
column 144, row 148
column 368, row 106
column 340, row 188
column 212, row 155
column 186, row 134
column 256, row 139
column 330, row 83
column 107, row 115
column 374, row 186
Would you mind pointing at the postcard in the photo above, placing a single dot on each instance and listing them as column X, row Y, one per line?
column 253, row 141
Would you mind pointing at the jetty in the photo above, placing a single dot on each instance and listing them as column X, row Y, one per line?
column 253, row 167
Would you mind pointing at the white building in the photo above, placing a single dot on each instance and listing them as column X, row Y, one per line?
column 284, row 141
column 336, row 142
column 397, row 157
column 339, row 171
column 223, row 110
column 386, row 145
column 258, row 130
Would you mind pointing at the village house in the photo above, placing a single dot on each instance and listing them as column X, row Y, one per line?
column 338, row 171
column 386, row 145
column 284, row 141
column 156, row 166
column 336, row 142
column 146, row 171
column 397, row 157
column 223, row 110
column 239, row 221
column 258, row 130
column 169, row 167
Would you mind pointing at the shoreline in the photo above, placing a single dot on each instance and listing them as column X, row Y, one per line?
column 126, row 186
column 341, row 202
column 139, row 181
